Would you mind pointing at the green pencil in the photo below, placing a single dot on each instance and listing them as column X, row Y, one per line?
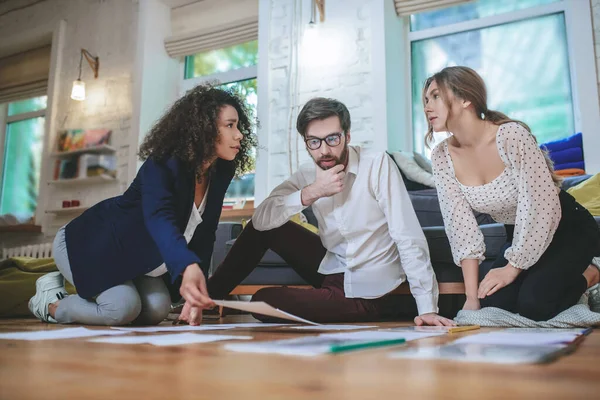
column 364, row 345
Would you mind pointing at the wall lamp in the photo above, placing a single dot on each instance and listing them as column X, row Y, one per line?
column 314, row 6
column 78, row 91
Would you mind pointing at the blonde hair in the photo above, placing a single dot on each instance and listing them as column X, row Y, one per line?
column 468, row 85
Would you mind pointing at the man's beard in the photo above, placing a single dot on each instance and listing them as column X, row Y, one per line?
column 342, row 159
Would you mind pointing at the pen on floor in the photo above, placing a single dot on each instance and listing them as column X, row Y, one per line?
column 463, row 328
column 339, row 348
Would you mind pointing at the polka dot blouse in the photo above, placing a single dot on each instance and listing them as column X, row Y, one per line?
column 523, row 194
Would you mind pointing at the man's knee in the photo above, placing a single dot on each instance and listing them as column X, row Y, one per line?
column 269, row 296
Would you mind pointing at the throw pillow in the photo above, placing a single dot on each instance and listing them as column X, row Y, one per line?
column 423, row 162
column 407, row 164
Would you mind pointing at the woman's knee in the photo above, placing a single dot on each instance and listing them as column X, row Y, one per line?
column 533, row 309
column 122, row 309
column 154, row 311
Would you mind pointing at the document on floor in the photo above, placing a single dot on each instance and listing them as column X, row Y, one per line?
column 172, row 328
column 519, row 339
column 311, row 345
column 485, row 353
column 442, row 329
column 332, row 327
column 328, row 343
column 174, row 339
column 247, row 325
column 381, row 335
column 67, row 333
column 260, row 307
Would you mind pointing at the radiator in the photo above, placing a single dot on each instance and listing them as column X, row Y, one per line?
column 42, row 250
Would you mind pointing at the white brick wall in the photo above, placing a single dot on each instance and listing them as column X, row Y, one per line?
column 337, row 64
column 107, row 28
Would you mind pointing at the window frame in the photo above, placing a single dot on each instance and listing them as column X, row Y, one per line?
column 4, row 121
column 578, row 24
column 234, row 75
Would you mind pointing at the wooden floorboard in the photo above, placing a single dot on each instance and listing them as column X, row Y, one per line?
column 77, row 369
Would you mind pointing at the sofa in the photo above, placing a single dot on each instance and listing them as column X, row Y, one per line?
column 272, row 269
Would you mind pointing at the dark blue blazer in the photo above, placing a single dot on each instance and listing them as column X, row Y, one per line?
column 127, row 236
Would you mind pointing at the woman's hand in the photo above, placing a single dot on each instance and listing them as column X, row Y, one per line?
column 433, row 319
column 496, row 279
column 191, row 315
column 193, row 288
column 472, row 304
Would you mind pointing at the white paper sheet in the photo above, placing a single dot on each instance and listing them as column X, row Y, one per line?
column 260, row 307
column 172, row 328
column 519, row 339
column 322, row 344
column 253, row 325
column 67, row 333
column 381, row 335
column 169, row 340
column 332, row 327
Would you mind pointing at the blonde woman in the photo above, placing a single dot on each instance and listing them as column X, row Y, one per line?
column 492, row 164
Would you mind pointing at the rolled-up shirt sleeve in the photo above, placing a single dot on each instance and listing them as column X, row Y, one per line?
column 283, row 202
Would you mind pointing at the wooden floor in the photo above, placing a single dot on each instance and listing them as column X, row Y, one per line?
column 77, row 369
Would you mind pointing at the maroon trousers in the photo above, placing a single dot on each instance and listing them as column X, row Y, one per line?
column 303, row 251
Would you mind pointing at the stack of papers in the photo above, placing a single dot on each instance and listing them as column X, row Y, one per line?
column 516, row 338
column 485, row 353
column 509, row 346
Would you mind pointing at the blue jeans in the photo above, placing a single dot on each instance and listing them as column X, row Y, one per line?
column 142, row 301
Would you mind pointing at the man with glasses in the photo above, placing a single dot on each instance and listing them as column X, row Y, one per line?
column 369, row 240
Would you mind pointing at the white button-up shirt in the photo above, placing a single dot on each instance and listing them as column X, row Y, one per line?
column 370, row 229
column 190, row 229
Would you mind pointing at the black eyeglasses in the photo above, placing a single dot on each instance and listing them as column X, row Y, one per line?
column 332, row 140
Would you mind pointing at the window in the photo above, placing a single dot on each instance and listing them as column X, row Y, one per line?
column 518, row 46
column 233, row 66
column 22, row 139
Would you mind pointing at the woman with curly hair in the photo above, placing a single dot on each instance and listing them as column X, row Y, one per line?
column 119, row 251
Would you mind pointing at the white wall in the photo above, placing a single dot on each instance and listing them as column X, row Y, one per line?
column 155, row 75
column 107, row 28
column 341, row 60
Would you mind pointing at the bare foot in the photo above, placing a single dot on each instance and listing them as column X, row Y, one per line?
column 591, row 275
column 52, row 308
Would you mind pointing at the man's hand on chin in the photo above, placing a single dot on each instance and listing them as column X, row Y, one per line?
column 433, row 319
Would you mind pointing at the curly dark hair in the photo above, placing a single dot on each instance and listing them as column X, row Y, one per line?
column 188, row 131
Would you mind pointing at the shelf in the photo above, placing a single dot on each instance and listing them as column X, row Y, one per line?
column 21, row 228
column 103, row 149
column 67, row 210
column 237, row 214
column 83, row 181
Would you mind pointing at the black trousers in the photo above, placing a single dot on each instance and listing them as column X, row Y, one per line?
column 556, row 281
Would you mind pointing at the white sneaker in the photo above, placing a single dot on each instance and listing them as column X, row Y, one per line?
column 594, row 291
column 49, row 289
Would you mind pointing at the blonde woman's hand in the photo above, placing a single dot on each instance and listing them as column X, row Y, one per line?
column 496, row 279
